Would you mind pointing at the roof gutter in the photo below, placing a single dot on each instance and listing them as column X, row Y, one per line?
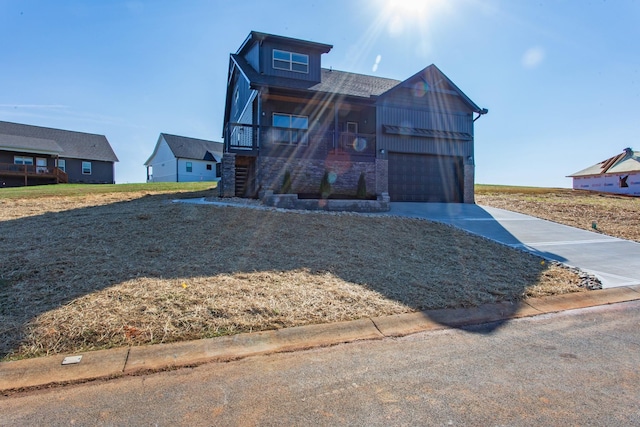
column 481, row 113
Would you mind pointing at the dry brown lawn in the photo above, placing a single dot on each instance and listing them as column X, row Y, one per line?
column 100, row 271
column 614, row 215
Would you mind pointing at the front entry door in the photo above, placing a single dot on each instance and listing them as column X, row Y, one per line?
column 41, row 165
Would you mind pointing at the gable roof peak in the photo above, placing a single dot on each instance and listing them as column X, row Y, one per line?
column 257, row 36
column 627, row 161
column 435, row 79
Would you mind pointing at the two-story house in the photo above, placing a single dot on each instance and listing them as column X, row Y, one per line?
column 285, row 114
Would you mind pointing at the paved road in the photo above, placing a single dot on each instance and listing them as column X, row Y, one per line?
column 616, row 262
column 578, row 367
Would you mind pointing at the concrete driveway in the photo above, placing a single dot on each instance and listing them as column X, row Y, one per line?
column 616, row 262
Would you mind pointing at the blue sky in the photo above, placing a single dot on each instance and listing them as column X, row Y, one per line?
column 561, row 79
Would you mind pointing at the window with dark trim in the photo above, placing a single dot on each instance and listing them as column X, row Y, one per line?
column 290, row 61
column 290, row 129
column 209, row 166
column 189, row 167
column 86, row 168
column 22, row 160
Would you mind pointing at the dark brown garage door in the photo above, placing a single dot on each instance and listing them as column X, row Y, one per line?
column 425, row 178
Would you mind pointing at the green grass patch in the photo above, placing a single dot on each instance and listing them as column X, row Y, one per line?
column 79, row 190
column 512, row 189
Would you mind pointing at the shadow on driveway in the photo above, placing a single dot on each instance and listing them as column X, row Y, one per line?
column 616, row 262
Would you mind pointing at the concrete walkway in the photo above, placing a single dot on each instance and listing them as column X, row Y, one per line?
column 616, row 262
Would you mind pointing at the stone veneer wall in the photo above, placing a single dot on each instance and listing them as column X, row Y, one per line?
column 382, row 176
column 469, row 184
column 228, row 178
column 306, row 174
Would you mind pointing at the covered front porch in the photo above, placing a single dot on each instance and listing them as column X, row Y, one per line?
column 249, row 140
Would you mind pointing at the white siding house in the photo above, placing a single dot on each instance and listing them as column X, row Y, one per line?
column 181, row 159
column 619, row 174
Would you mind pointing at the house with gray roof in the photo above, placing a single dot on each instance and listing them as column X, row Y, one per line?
column 34, row 155
column 182, row 159
column 285, row 115
column 619, row 174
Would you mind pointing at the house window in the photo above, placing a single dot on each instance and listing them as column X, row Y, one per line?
column 41, row 165
column 86, row 168
column 189, row 167
column 21, row 160
column 236, row 96
column 209, row 166
column 289, row 61
column 352, row 127
column 290, row 129
column 62, row 165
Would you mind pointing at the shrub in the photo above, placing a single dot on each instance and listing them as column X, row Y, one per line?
column 286, row 183
column 325, row 185
column 361, row 193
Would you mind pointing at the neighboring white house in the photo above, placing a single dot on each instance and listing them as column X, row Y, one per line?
column 181, row 159
column 619, row 174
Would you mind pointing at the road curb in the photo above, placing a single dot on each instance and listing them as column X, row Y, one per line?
column 49, row 371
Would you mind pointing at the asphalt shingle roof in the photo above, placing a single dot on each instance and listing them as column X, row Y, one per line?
column 70, row 144
column 193, row 148
column 332, row 81
column 27, row 144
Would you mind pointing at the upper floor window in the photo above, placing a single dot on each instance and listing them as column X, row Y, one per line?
column 289, row 61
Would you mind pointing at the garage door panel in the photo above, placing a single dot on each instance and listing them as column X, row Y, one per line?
column 425, row 178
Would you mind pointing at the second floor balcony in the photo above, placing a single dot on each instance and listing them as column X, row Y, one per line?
column 270, row 140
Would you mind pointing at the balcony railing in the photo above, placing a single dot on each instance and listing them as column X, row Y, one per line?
column 250, row 139
column 33, row 171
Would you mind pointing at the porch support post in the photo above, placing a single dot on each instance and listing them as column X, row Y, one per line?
column 258, row 120
column 469, row 183
column 228, row 179
column 335, row 126
column 382, row 176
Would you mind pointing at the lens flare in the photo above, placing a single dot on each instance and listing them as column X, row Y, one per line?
column 359, row 144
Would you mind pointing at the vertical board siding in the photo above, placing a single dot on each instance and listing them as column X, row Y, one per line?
column 425, row 110
column 267, row 64
column 253, row 57
column 413, row 144
column 426, row 119
column 244, row 95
